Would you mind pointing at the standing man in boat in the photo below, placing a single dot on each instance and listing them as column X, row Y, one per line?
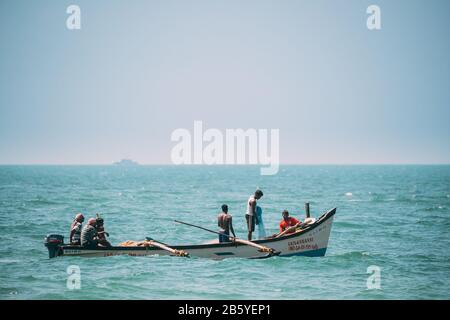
column 89, row 237
column 251, row 216
column 75, row 230
column 224, row 221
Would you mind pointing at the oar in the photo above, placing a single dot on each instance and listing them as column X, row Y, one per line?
column 288, row 230
column 246, row 242
column 179, row 253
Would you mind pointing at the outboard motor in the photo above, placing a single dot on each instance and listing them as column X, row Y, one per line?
column 53, row 242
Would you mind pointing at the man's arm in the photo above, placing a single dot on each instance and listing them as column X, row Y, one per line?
column 298, row 223
column 93, row 235
column 253, row 205
column 253, row 208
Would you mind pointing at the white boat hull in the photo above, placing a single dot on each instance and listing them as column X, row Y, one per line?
column 312, row 241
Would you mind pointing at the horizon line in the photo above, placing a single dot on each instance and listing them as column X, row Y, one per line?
column 228, row 165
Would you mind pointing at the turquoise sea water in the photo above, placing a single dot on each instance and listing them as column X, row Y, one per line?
column 393, row 217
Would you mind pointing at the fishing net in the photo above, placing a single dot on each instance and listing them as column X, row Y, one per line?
column 261, row 229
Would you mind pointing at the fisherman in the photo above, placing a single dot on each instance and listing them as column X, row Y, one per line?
column 288, row 223
column 75, row 230
column 225, row 222
column 250, row 215
column 89, row 234
column 101, row 233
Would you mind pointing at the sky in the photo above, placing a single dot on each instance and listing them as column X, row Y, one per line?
column 138, row 70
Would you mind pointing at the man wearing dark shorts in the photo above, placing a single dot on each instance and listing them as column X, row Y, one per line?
column 251, row 221
column 224, row 221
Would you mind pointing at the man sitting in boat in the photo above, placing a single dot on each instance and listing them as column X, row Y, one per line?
column 75, row 230
column 224, row 221
column 288, row 224
column 89, row 237
column 250, row 215
column 101, row 233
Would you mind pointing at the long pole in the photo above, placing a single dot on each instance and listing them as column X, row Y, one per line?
column 248, row 243
column 179, row 253
column 307, row 210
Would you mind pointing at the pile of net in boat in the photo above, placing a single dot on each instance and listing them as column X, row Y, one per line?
column 133, row 243
column 149, row 242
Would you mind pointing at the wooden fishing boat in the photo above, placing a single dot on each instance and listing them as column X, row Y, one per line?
column 311, row 241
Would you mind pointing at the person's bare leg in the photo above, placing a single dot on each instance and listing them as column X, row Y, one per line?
column 249, row 236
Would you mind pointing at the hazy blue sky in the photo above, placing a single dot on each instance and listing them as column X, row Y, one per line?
column 137, row 70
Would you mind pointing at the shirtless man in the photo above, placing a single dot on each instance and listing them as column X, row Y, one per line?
column 225, row 222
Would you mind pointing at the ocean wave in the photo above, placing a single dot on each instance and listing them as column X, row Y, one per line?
column 40, row 201
column 435, row 208
column 7, row 261
column 347, row 224
column 350, row 255
column 433, row 219
column 9, row 290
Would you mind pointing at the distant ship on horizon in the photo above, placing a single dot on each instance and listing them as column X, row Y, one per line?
column 126, row 162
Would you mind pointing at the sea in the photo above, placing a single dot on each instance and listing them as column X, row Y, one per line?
column 390, row 238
